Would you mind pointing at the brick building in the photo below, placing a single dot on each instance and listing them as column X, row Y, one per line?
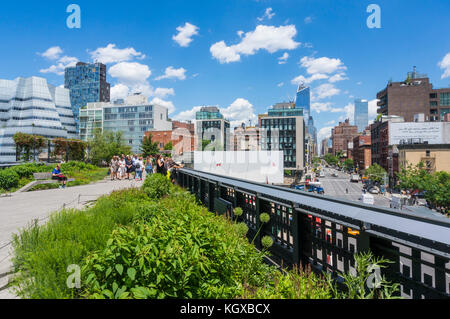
column 181, row 132
column 362, row 150
column 342, row 135
column 412, row 96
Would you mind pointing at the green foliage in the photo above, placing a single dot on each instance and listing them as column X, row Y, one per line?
column 157, row 186
column 148, row 147
column 27, row 145
column 376, row 173
column 43, row 253
column 358, row 286
column 182, row 251
column 106, row 145
column 267, row 242
column 436, row 186
column 348, row 164
column 168, row 146
column 298, row 283
column 8, row 179
column 331, row 159
column 72, row 148
column 264, row 218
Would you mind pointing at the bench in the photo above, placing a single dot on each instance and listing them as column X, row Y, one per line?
column 41, row 179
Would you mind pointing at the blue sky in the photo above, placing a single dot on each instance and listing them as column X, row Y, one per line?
column 241, row 55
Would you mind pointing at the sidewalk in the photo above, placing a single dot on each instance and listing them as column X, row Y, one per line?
column 19, row 210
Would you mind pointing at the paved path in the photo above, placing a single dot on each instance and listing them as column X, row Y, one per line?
column 19, row 210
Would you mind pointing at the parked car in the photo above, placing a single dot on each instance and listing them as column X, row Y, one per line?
column 354, row 178
column 334, row 175
column 374, row 190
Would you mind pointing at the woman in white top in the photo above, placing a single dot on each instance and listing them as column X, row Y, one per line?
column 122, row 169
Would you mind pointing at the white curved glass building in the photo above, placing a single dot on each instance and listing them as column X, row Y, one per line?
column 32, row 106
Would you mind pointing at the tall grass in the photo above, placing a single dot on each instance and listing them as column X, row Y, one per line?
column 42, row 253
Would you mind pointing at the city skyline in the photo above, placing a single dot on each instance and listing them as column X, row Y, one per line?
column 243, row 59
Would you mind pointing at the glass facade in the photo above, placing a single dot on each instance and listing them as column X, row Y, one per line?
column 281, row 135
column 445, row 99
column 209, row 113
column 87, row 84
column 32, row 106
column 361, row 114
column 303, row 100
column 132, row 120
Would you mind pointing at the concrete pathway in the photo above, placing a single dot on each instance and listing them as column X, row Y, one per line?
column 20, row 209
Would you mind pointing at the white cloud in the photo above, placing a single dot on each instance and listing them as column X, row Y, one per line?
column 325, row 91
column 62, row 64
column 338, row 77
column 331, row 122
column 269, row 38
column 119, row 91
column 373, row 108
column 359, row 83
column 445, row 65
column 168, row 104
column 163, row 92
column 185, row 34
column 111, row 54
column 267, row 14
column 172, row 73
column 283, row 59
column 308, row 20
column 52, row 53
column 280, row 84
column 301, row 79
column 131, row 73
column 240, row 33
column 324, row 132
column 188, row 115
column 240, row 111
column 322, row 65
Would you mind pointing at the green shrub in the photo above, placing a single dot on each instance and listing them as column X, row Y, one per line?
column 157, row 186
column 8, row 179
column 43, row 253
column 176, row 250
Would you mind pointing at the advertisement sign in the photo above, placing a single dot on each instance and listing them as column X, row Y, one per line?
column 431, row 132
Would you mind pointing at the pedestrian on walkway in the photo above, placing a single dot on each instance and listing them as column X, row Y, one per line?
column 148, row 166
column 139, row 166
column 129, row 166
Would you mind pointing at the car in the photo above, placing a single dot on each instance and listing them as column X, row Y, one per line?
column 354, row 178
column 334, row 175
column 374, row 190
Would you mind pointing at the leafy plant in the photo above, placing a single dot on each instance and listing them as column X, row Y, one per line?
column 264, row 218
column 157, row 186
column 8, row 179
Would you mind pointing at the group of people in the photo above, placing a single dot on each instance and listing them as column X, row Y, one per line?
column 133, row 166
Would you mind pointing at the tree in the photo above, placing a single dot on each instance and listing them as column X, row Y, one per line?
column 168, row 146
column 106, row 145
column 376, row 173
column 435, row 186
column 348, row 163
column 149, row 147
column 28, row 145
column 331, row 159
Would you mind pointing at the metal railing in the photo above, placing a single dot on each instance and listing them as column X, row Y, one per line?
column 326, row 232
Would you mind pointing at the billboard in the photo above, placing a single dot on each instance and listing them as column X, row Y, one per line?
column 255, row 166
column 431, row 132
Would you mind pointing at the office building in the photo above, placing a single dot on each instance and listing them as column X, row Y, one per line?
column 246, row 138
column 210, row 125
column 32, row 106
column 303, row 100
column 87, row 84
column 286, row 133
column 412, row 96
column 133, row 117
column 361, row 114
column 342, row 135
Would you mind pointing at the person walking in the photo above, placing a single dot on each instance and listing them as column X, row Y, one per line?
column 148, row 166
column 112, row 168
column 122, row 168
column 160, row 165
column 129, row 166
column 139, row 166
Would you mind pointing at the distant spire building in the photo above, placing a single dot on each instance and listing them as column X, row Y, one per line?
column 303, row 100
column 361, row 114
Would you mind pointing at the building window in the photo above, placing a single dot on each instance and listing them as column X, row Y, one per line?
column 433, row 95
column 445, row 99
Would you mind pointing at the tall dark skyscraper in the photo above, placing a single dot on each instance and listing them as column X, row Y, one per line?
column 87, row 84
column 303, row 100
